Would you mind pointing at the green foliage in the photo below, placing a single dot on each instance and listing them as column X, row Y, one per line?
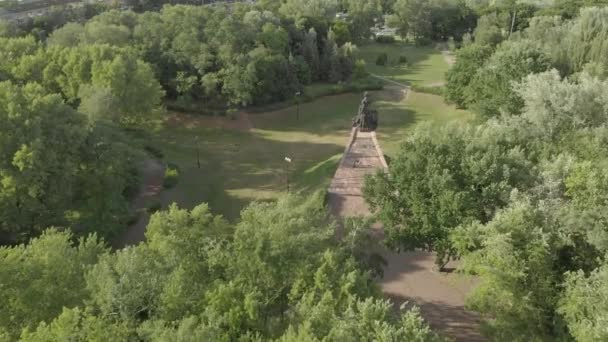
column 277, row 275
column 584, row 304
column 490, row 90
column 436, row 20
column 385, row 39
column 468, row 61
column 402, row 60
column 440, row 180
column 171, row 176
column 382, row 59
column 39, row 279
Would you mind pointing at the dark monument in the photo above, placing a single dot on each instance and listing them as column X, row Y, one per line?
column 367, row 119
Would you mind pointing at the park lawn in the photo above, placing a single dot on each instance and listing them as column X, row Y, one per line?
column 398, row 115
column 238, row 167
column 426, row 65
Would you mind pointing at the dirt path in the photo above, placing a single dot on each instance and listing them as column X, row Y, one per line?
column 449, row 57
column 153, row 172
column 408, row 277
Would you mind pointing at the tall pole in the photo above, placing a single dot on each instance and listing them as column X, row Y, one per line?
column 198, row 153
column 298, row 106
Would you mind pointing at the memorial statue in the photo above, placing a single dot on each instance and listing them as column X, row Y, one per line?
column 366, row 119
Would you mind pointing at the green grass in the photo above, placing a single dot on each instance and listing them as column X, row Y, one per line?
column 399, row 115
column 426, row 66
column 240, row 166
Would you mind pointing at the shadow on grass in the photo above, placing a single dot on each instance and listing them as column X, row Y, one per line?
column 240, row 167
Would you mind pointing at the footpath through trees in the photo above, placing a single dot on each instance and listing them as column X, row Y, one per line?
column 408, row 277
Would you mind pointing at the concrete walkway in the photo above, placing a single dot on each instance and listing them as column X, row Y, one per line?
column 408, row 277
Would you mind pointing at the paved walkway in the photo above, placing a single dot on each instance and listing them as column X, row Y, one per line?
column 361, row 157
column 408, row 277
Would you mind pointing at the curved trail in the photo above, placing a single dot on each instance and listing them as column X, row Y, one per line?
column 408, row 277
column 153, row 172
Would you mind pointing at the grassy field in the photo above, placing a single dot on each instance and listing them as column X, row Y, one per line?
column 425, row 65
column 244, row 160
column 238, row 166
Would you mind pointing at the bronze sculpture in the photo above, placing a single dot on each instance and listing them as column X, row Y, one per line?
column 366, row 119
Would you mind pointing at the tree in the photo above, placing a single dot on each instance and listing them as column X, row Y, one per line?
column 362, row 16
column 443, row 178
column 69, row 35
column 41, row 278
column 310, row 52
column 490, row 91
column 39, row 145
column 584, row 304
column 515, row 260
column 489, row 30
column 76, row 325
column 412, row 18
column 468, row 60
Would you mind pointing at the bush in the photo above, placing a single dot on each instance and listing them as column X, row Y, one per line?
column 402, row 60
column 382, row 59
column 153, row 206
column 132, row 219
column 153, row 151
column 171, row 176
column 385, row 39
column 359, row 70
column 429, row 90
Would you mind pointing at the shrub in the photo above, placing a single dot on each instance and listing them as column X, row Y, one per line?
column 429, row 90
column 359, row 70
column 153, row 151
column 402, row 60
column 153, row 206
column 171, row 176
column 385, row 39
column 132, row 219
column 382, row 59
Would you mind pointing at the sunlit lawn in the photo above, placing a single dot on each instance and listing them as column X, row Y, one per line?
column 240, row 166
column 425, row 65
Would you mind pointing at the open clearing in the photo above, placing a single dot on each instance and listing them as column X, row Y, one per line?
column 243, row 160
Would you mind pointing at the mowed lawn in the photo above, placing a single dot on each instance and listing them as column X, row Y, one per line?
column 238, row 166
column 242, row 164
column 425, row 65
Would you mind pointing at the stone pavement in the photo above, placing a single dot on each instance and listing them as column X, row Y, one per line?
column 362, row 156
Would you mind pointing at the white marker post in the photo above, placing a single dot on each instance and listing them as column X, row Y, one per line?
column 288, row 160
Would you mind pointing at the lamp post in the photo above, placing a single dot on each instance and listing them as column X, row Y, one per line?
column 198, row 153
column 288, row 161
column 298, row 106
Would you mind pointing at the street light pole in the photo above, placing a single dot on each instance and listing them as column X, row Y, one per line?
column 198, row 153
column 298, row 106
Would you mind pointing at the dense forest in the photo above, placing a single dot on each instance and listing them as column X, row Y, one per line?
column 117, row 70
column 518, row 195
column 521, row 195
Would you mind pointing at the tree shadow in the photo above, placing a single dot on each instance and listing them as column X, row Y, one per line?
column 452, row 321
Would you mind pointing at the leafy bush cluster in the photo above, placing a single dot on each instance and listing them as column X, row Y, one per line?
column 520, row 196
column 277, row 275
column 171, row 176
